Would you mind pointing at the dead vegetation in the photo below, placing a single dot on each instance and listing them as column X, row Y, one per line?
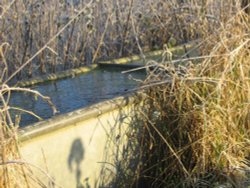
column 196, row 117
column 195, row 120
column 99, row 29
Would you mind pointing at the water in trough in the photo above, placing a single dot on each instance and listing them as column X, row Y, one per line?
column 74, row 93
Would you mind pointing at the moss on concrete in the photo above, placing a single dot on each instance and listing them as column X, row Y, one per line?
column 56, row 76
column 153, row 55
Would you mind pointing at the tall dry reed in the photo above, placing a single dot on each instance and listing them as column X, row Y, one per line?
column 106, row 29
column 196, row 127
column 196, row 116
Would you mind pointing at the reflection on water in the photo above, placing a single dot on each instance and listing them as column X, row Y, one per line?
column 74, row 93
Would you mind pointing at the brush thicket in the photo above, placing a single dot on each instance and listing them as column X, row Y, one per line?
column 196, row 128
column 197, row 124
column 106, row 29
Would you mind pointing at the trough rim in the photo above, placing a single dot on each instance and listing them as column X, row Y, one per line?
column 150, row 54
column 56, row 76
column 72, row 118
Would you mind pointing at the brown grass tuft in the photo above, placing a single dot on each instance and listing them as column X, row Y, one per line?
column 197, row 124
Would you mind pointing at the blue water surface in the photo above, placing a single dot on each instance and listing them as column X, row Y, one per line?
column 74, row 93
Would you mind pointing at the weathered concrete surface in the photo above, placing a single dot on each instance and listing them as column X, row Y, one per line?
column 56, row 76
column 77, row 147
column 137, row 61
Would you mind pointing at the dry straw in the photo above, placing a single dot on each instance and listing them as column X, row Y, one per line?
column 195, row 118
column 197, row 121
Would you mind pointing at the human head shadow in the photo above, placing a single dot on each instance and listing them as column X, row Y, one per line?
column 75, row 158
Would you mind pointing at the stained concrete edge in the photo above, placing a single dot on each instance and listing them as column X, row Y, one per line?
column 126, row 60
column 71, row 118
column 56, row 76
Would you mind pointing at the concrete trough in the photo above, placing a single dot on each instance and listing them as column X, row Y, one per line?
column 80, row 148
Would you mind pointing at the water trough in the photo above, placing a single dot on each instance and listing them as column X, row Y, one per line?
column 81, row 147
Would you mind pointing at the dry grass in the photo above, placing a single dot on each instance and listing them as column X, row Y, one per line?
column 14, row 171
column 106, row 29
column 196, row 126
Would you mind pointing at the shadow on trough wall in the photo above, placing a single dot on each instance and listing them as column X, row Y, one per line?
column 75, row 159
column 121, row 153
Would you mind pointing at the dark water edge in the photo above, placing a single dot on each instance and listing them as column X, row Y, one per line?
column 74, row 93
